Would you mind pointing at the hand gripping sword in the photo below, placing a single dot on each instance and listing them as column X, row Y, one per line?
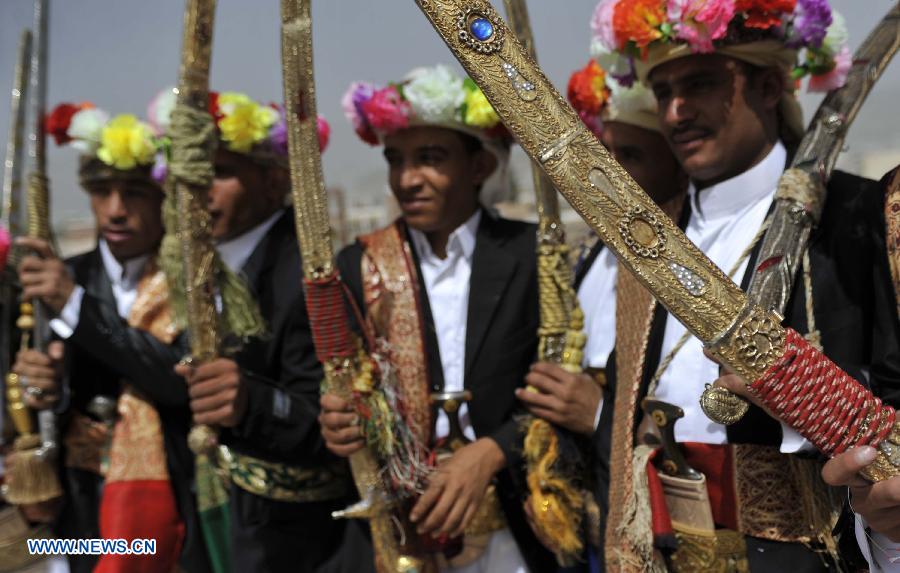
column 336, row 346
column 795, row 381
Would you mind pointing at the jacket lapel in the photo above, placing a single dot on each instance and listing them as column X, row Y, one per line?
column 492, row 270
column 263, row 256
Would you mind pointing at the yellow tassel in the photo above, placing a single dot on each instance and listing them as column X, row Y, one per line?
column 30, row 478
column 556, row 505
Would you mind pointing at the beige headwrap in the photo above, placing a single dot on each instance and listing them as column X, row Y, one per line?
column 92, row 170
column 634, row 105
column 762, row 54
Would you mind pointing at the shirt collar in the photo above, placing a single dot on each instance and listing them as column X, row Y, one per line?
column 126, row 275
column 235, row 252
column 461, row 240
column 732, row 195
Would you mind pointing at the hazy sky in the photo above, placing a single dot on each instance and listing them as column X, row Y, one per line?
column 119, row 53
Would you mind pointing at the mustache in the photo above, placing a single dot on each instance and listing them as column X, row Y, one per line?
column 682, row 130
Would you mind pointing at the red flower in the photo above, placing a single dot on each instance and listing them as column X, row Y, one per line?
column 214, row 106
column 587, row 90
column 764, row 14
column 57, row 122
column 638, row 21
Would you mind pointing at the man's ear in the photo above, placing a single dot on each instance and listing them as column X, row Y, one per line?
column 771, row 83
column 484, row 163
column 278, row 183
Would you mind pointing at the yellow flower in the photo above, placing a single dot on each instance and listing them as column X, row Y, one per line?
column 244, row 123
column 479, row 112
column 126, row 143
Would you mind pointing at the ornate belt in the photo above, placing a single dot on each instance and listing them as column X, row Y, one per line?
column 701, row 551
column 282, row 482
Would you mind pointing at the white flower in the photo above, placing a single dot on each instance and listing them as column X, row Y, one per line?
column 636, row 98
column 836, row 36
column 86, row 129
column 612, row 62
column 159, row 111
column 435, row 94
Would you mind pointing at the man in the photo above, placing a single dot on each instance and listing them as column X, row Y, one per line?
column 727, row 109
column 285, row 484
column 450, row 289
column 119, row 347
column 625, row 121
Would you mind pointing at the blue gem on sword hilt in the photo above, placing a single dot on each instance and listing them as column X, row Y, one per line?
column 482, row 29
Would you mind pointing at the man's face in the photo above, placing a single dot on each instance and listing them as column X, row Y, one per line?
column 434, row 177
column 243, row 195
column 128, row 215
column 646, row 156
column 718, row 118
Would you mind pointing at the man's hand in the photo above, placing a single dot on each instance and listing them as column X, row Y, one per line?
column 340, row 426
column 216, row 390
column 44, row 276
column 565, row 399
column 41, row 375
column 877, row 503
column 456, row 488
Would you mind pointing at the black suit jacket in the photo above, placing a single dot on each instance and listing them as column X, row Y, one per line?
column 101, row 353
column 283, row 373
column 501, row 342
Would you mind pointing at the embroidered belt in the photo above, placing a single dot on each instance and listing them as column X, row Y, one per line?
column 700, row 551
column 281, row 482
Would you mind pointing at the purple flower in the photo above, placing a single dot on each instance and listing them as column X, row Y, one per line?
column 811, row 21
column 160, row 169
column 278, row 135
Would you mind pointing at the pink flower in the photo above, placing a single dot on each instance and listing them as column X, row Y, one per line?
column 837, row 77
column 602, row 24
column 4, row 247
column 356, row 95
column 699, row 22
column 386, row 111
column 324, row 132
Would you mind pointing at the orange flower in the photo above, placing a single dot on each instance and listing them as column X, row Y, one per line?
column 587, row 89
column 764, row 14
column 638, row 21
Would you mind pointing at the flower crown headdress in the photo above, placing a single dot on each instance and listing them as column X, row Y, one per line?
column 122, row 142
column 598, row 97
column 428, row 96
column 243, row 125
column 625, row 31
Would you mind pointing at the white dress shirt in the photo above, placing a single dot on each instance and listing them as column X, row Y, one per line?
column 724, row 220
column 123, row 278
column 881, row 553
column 597, row 298
column 447, row 285
column 235, row 252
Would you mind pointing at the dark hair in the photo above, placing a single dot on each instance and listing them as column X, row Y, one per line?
column 471, row 143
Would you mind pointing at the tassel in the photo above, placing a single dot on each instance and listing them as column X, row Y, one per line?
column 30, row 478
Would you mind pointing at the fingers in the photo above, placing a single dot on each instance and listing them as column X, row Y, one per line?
column 843, row 470
column 198, row 389
column 435, row 519
column 39, row 246
column 55, row 350
column 333, row 403
column 429, row 498
column 212, row 402
column 31, row 357
column 538, row 400
column 222, row 416
column 554, row 372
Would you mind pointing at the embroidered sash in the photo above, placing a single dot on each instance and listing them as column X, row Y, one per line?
column 138, row 501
